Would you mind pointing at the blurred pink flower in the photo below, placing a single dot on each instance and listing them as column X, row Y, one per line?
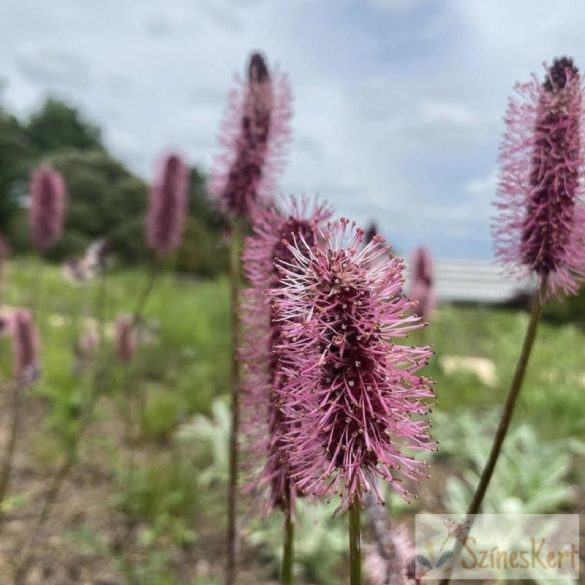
column 422, row 282
column 539, row 225
column 84, row 268
column 358, row 405
column 390, row 559
column 85, row 350
column 47, row 207
column 25, row 343
column 125, row 338
column 264, row 420
column 254, row 136
column 168, row 206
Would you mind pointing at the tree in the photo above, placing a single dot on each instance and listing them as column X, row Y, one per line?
column 104, row 199
column 15, row 160
column 57, row 126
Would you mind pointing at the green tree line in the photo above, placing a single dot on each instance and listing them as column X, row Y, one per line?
column 104, row 198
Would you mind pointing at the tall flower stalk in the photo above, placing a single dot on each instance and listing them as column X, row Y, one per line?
column 264, row 422
column 165, row 218
column 357, row 404
column 25, row 347
column 167, row 206
column 254, row 135
column 46, row 218
column 422, row 282
column 539, row 229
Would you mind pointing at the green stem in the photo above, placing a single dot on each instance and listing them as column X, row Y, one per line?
column 146, row 292
column 288, row 546
column 17, row 391
column 36, row 293
column 130, row 523
column 355, row 545
column 504, row 424
column 235, row 271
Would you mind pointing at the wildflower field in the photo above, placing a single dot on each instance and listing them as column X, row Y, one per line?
column 205, row 379
column 179, row 436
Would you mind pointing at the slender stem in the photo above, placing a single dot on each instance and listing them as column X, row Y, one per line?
column 288, row 546
column 355, row 544
column 28, row 547
column 130, row 524
column 5, row 470
column 505, row 419
column 36, row 292
column 235, row 270
column 146, row 292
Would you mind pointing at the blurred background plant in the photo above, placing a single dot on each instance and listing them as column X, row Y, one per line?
column 181, row 436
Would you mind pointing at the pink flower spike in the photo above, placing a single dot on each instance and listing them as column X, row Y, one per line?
column 422, row 282
column 254, row 136
column 125, row 338
column 25, row 340
column 47, row 207
column 264, row 421
column 167, row 206
column 539, row 227
column 357, row 405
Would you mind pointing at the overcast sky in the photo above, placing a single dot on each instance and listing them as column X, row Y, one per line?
column 398, row 103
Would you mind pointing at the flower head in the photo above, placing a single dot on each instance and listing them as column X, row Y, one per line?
column 84, row 350
column 398, row 568
column 422, row 282
column 47, row 207
column 352, row 390
column 254, row 136
column 540, row 197
column 390, row 560
column 265, row 420
column 125, row 338
column 167, row 207
column 25, row 343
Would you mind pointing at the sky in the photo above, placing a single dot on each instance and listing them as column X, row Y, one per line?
column 398, row 103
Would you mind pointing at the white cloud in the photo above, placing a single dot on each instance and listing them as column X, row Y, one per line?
column 444, row 113
column 46, row 64
column 398, row 102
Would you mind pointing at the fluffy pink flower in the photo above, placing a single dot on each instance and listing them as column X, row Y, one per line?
column 422, row 284
column 539, row 226
column 352, row 390
column 265, row 422
column 125, row 338
column 254, row 136
column 47, row 207
column 390, row 559
column 168, row 206
column 25, row 343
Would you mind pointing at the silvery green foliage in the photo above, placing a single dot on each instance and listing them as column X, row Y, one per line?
column 531, row 477
column 320, row 540
column 211, row 435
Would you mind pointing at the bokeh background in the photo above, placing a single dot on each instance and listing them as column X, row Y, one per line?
column 398, row 102
column 397, row 119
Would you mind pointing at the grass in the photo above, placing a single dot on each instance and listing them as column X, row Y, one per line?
column 552, row 396
column 186, row 364
column 183, row 366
